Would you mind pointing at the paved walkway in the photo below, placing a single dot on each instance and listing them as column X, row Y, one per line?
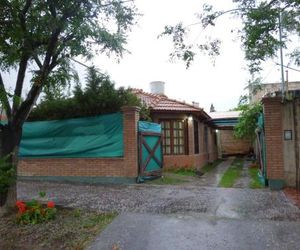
column 182, row 217
column 212, row 178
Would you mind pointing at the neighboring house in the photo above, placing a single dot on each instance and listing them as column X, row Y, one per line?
column 266, row 89
column 227, row 143
column 189, row 140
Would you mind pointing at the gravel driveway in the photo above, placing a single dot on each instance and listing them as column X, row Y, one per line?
column 222, row 202
column 193, row 216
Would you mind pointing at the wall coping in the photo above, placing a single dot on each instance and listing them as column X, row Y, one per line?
column 126, row 109
column 269, row 99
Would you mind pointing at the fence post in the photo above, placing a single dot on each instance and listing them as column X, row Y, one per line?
column 131, row 117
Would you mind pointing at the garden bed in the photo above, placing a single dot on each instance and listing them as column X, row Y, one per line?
column 71, row 229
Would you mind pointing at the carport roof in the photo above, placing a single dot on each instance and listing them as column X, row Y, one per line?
column 226, row 119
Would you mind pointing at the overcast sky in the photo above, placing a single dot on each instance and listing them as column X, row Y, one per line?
column 203, row 82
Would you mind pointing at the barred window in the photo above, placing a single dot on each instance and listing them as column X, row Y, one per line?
column 174, row 136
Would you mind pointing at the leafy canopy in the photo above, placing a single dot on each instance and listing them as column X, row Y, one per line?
column 259, row 33
column 247, row 122
column 41, row 36
column 98, row 97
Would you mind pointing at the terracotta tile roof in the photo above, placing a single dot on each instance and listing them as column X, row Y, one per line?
column 162, row 103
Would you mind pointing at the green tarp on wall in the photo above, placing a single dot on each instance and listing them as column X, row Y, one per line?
column 100, row 136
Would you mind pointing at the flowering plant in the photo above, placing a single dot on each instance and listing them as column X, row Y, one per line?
column 33, row 212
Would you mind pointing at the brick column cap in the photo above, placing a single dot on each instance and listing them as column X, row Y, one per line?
column 126, row 109
column 269, row 99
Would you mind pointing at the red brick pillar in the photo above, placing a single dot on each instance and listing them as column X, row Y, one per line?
column 130, row 136
column 274, row 141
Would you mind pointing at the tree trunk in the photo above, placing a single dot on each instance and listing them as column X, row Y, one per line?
column 10, row 141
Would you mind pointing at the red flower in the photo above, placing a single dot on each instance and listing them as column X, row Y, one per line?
column 19, row 203
column 50, row 204
column 21, row 206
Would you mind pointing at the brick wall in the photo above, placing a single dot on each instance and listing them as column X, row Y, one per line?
column 274, row 138
column 126, row 166
column 231, row 145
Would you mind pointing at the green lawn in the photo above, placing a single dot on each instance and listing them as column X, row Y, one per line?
column 183, row 171
column 232, row 173
column 255, row 182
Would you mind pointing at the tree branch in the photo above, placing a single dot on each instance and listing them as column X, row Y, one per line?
column 37, row 61
column 20, row 82
column 4, row 99
column 26, row 106
column 52, row 7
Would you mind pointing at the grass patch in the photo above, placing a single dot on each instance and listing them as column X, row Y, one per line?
column 192, row 171
column 210, row 166
column 72, row 229
column 255, row 181
column 183, row 171
column 167, row 180
column 232, row 173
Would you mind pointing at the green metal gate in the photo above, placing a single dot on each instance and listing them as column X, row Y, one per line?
column 261, row 145
column 150, row 151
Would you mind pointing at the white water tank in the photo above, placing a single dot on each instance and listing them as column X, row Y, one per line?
column 157, row 87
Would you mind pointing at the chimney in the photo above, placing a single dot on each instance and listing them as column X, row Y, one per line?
column 157, row 87
column 196, row 104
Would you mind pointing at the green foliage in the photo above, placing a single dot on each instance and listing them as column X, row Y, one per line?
column 42, row 194
column 255, row 181
column 259, row 32
column 247, row 121
column 98, row 97
column 7, row 175
column 184, row 171
column 41, row 37
column 33, row 212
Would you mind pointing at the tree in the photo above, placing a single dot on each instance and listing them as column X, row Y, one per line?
column 212, row 108
column 98, row 97
column 259, row 33
column 247, row 122
column 40, row 37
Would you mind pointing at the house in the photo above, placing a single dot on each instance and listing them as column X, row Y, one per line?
column 189, row 140
column 265, row 89
column 227, row 143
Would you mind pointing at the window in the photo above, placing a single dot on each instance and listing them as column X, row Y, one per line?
column 196, row 137
column 174, row 134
